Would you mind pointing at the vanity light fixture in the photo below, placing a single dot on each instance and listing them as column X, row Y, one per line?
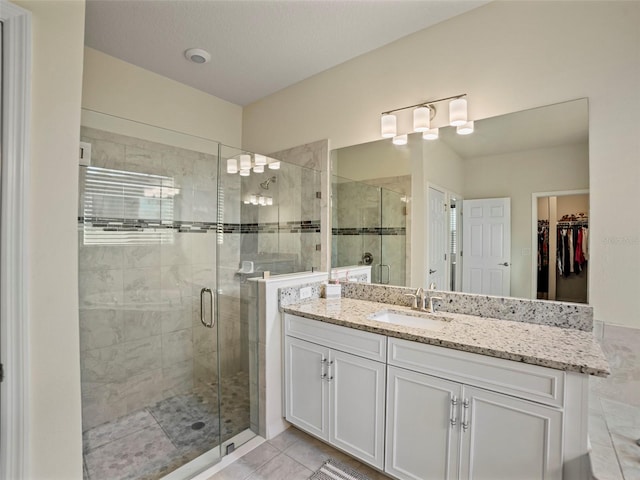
column 423, row 114
column 388, row 125
column 232, row 165
column 245, row 162
column 465, row 129
column 422, row 118
column 458, row 112
column 431, row 134
column 400, row 139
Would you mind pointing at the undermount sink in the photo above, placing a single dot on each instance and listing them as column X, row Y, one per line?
column 410, row 319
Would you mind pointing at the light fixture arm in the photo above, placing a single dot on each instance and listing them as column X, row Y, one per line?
column 428, row 104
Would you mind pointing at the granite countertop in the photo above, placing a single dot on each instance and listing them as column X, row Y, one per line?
column 554, row 347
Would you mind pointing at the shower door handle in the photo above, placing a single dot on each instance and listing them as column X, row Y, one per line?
column 202, row 308
column 388, row 267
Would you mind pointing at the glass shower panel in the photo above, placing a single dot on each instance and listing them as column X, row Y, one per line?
column 356, row 213
column 151, row 369
column 393, row 237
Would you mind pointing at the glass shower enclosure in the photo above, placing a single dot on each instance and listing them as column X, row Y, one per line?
column 369, row 227
column 169, row 359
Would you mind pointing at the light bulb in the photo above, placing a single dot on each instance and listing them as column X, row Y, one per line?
column 245, row 162
column 458, row 112
column 274, row 165
column 431, row 134
column 465, row 129
column 421, row 119
column 232, row 165
column 400, row 140
column 388, row 125
column 259, row 159
column 258, row 168
column 253, row 199
column 245, row 173
column 269, row 201
column 262, row 200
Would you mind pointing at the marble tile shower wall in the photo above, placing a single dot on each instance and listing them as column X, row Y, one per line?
column 141, row 336
column 287, row 232
column 367, row 219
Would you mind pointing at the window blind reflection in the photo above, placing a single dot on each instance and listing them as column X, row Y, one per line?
column 123, row 208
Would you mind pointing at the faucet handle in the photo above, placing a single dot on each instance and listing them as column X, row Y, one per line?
column 415, row 300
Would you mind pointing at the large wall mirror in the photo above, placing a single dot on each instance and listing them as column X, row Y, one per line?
column 502, row 211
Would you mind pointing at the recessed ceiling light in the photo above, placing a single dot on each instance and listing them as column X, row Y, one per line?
column 197, row 55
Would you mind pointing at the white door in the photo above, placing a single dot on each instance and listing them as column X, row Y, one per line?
column 357, row 406
column 506, row 438
column 306, row 384
column 437, row 238
column 423, row 426
column 486, row 251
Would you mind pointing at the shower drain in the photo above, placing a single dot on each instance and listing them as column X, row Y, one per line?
column 197, row 426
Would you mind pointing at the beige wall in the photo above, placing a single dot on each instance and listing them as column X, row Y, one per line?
column 373, row 160
column 119, row 88
column 517, row 176
column 54, row 404
column 507, row 56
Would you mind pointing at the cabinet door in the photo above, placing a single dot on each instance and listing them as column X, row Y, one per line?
column 422, row 426
column 506, row 438
column 357, row 405
column 306, row 386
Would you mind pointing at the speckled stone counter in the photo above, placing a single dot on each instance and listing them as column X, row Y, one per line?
column 548, row 346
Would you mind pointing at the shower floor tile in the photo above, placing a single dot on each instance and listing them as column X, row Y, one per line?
column 109, row 432
column 153, row 441
column 127, row 457
column 188, row 422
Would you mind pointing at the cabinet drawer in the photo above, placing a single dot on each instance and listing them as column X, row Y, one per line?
column 531, row 382
column 364, row 344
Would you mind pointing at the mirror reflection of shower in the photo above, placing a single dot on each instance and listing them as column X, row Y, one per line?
column 265, row 185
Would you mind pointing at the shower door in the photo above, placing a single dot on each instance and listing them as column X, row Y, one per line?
column 149, row 305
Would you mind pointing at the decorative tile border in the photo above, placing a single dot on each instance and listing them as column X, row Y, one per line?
column 136, row 224
column 370, row 231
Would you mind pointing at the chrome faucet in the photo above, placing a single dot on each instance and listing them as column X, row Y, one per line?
column 418, row 299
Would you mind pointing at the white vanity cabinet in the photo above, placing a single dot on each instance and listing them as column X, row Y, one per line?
column 424, row 412
column 450, row 428
column 335, row 395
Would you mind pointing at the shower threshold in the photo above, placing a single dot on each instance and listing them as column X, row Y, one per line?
column 206, row 463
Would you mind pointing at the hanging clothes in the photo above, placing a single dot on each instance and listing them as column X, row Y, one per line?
column 572, row 249
column 543, row 259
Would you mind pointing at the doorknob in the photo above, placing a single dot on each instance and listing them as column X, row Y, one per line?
column 505, row 264
column 432, row 271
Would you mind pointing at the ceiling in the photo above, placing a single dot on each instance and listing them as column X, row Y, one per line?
column 257, row 47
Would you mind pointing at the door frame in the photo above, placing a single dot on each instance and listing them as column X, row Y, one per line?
column 14, row 312
column 448, row 194
column 534, row 230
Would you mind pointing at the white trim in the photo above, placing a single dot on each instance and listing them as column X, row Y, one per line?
column 448, row 195
column 14, row 325
column 534, row 230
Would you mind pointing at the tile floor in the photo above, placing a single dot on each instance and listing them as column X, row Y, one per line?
column 292, row 455
column 614, row 407
column 153, row 441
